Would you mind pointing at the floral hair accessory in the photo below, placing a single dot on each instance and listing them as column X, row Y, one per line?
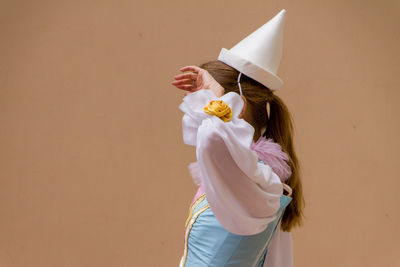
column 220, row 109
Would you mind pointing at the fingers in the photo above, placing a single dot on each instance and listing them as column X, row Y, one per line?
column 186, row 81
column 191, row 76
column 183, row 81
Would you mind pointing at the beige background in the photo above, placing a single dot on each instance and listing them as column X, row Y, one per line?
column 93, row 169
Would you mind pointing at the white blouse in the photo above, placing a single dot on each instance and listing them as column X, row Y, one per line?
column 243, row 194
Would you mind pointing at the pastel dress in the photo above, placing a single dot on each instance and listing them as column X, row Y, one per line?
column 235, row 216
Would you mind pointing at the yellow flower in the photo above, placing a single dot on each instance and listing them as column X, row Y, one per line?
column 220, row 109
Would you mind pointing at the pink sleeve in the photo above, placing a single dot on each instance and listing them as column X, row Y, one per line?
column 243, row 194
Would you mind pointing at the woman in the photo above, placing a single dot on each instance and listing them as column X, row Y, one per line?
column 240, row 215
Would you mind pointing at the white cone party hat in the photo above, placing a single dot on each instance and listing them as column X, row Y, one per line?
column 259, row 54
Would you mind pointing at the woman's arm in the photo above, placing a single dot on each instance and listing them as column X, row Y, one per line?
column 243, row 194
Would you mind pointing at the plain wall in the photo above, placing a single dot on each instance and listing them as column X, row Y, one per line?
column 93, row 169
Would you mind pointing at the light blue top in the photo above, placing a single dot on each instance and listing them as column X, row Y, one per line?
column 210, row 244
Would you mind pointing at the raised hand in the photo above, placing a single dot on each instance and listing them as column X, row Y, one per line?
column 197, row 79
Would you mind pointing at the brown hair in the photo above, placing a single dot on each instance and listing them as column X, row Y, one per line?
column 279, row 127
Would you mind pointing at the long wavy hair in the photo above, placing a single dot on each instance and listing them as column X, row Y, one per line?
column 278, row 126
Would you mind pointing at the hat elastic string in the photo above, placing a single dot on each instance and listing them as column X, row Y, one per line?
column 238, row 80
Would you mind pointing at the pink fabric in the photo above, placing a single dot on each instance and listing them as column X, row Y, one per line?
column 271, row 154
column 243, row 194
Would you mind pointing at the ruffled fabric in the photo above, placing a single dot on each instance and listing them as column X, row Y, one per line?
column 271, row 154
column 193, row 107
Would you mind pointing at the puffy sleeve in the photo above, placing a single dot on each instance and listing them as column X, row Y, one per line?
column 243, row 194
